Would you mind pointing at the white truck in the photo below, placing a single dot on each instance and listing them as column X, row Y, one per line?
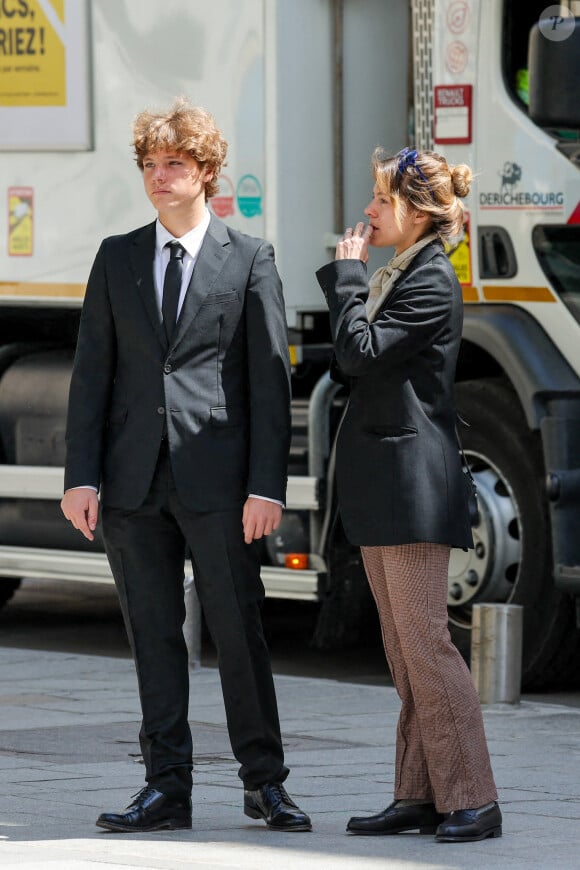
column 304, row 90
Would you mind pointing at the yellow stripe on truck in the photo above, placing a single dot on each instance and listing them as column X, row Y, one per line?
column 470, row 294
column 23, row 288
column 518, row 294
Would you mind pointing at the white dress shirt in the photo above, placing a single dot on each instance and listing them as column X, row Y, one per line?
column 191, row 241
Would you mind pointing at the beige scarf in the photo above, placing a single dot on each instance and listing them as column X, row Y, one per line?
column 381, row 283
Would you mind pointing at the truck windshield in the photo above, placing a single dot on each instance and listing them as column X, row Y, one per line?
column 519, row 16
column 558, row 251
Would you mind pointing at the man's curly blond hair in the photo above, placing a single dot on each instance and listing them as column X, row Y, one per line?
column 185, row 128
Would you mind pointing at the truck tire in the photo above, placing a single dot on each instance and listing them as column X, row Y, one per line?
column 8, row 587
column 512, row 559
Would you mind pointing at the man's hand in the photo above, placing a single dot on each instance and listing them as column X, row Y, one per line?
column 260, row 517
column 81, row 508
column 354, row 245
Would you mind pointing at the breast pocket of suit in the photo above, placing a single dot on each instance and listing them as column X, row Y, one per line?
column 217, row 319
column 221, row 298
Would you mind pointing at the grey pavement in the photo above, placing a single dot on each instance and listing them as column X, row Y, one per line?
column 68, row 750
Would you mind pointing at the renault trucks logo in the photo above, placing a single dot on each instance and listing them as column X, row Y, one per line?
column 514, row 195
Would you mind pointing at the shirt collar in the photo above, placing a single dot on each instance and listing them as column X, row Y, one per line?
column 191, row 241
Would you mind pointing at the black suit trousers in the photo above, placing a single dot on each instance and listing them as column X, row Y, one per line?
column 146, row 549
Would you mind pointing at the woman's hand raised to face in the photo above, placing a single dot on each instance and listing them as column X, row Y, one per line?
column 354, row 245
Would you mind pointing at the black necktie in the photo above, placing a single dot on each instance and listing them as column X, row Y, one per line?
column 172, row 287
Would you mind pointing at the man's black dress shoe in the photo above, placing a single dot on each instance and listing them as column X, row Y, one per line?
column 396, row 819
column 150, row 811
column 271, row 803
column 465, row 826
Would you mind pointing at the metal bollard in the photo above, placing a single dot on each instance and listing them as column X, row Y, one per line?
column 192, row 624
column 496, row 652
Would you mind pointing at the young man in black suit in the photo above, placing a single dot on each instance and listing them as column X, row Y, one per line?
column 179, row 417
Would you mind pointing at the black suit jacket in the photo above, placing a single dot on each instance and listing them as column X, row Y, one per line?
column 221, row 391
column 398, row 467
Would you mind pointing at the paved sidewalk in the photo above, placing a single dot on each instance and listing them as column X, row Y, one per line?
column 68, row 750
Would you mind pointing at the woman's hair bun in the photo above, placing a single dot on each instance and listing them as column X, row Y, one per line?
column 461, row 177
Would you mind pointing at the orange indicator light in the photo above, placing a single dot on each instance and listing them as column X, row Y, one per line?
column 297, row 561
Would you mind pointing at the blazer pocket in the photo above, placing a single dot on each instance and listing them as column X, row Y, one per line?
column 221, row 298
column 225, row 416
column 393, row 431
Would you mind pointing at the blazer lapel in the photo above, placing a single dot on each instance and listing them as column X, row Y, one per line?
column 142, row 255
column 210, row 261
column 425, row 254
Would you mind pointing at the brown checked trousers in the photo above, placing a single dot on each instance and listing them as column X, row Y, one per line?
column 441, row 753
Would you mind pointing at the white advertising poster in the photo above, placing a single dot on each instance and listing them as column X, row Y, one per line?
column 44, row 75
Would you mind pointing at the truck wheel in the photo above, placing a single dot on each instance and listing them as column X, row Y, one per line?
column 8, row 587
column 348, row 616
column 512, row 560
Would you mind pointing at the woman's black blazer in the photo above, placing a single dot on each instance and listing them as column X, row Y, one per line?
column 398, row 467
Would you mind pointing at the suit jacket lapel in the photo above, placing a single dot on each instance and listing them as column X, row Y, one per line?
column 142, row 255
column 210, row 261
column 425, row 254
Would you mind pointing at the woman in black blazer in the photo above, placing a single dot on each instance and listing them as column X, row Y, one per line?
column 401, row 489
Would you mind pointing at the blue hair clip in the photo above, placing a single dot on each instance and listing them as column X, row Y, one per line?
column 408, row 157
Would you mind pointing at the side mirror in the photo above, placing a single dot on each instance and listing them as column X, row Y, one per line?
column 554, row 79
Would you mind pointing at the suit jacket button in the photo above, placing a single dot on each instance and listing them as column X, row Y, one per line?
column 167, row 369
column 161, row 410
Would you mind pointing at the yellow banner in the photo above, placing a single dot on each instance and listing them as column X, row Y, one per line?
column 20, row 221
column 32, row 53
